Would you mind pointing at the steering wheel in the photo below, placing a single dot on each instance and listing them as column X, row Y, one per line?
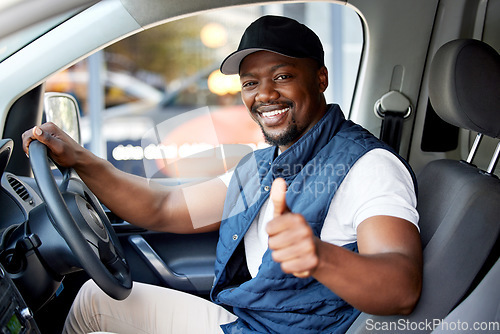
column 77, row 215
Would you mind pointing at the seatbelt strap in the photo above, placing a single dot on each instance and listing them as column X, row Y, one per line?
column 392, row 129
column 393, row 107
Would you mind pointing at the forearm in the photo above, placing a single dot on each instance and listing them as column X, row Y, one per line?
column 128, row 196
column 148, row 204
column 133, row 198
column 384, row 283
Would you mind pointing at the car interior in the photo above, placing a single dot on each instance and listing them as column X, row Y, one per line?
column 457, row 201
column 426, row 81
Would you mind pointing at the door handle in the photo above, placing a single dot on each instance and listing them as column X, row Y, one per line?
column 159, row 267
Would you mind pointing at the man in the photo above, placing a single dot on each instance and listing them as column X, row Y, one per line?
column 337, row 234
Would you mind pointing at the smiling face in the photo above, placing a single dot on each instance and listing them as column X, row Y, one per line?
column 284, row 95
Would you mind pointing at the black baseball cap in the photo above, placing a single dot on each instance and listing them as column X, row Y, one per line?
column 277, row 34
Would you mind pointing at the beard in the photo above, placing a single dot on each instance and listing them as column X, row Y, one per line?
column 288, row 136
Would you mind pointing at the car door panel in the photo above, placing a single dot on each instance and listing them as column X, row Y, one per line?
column 178, row 261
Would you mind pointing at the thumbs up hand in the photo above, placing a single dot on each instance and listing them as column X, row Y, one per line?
column 291, row 239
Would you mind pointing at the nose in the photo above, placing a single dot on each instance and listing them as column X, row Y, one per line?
column 267, row 93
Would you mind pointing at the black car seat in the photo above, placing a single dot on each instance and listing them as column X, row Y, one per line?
column 459, row 204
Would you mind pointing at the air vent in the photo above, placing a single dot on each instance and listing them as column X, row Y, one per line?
column 20, row 189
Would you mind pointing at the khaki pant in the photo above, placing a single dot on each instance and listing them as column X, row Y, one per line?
column 148, row 310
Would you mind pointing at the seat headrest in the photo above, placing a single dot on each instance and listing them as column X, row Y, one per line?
column 464, row 86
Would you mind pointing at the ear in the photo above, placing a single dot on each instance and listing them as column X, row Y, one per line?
column 323, row 79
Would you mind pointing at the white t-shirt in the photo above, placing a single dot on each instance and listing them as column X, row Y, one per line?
column 377, row 184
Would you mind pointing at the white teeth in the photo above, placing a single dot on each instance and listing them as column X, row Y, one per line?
column 275, row 112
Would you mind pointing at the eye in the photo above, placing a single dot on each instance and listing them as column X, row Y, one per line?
column 248, row 84
column 282, row 77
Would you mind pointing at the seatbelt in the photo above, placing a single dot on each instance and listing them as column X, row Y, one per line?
column 393, row 107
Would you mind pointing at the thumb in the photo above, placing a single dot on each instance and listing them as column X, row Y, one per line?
column 37, row 132
column 28, row 136
column 278, row 196
column 41, row 136
column 49, row 136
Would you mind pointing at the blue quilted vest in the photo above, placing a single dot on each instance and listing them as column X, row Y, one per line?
column 313, row 167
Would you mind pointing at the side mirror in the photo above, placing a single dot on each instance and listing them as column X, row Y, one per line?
column 62, row 110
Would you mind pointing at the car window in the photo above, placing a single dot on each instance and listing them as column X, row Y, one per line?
column 163, row 110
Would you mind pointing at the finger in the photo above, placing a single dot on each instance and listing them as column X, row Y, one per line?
column 278, row 196
column 42, row 135
column 37, row 132
column 50, row 135
column 298, row 249
column 302, row 274
column 27, row 138
column 300, row 267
